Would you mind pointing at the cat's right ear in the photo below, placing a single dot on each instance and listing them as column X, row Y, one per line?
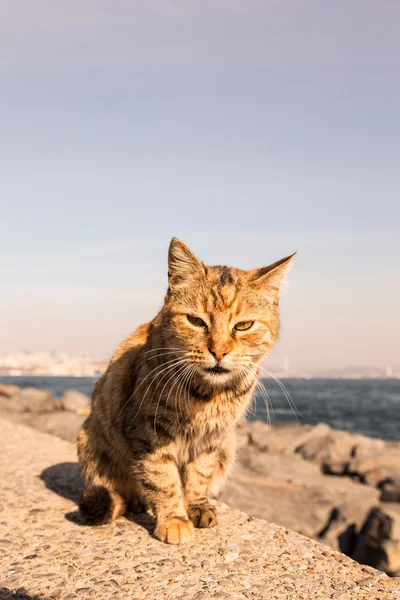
column 183, row 265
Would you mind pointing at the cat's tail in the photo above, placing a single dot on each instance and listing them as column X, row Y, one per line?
column 98, row 505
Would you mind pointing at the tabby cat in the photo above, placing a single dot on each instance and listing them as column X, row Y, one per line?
column 161, row 433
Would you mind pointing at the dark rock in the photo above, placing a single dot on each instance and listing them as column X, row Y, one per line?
column 368, row 548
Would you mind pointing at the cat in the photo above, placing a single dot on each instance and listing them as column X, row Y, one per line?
column 161, row 433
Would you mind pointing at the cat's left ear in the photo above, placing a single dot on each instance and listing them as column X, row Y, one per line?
column 270, row 278
column 183, row 265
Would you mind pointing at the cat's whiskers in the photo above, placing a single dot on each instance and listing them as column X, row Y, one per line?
column 275, row 360
column 163, row 348
column 284, row 390
column 178, row 392
column 264, row 394
column 282, row 364
column 143, row 380
column 184, row 385
column 152, row 371
column 180, row 369
column 188, row 384
column 165, row 370
column 163, row 373
column 185, row 374
column 243, row 382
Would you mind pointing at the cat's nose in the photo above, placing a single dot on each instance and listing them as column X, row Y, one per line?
column 218, row 353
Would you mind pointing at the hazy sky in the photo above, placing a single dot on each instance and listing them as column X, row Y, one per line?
column 248, row 129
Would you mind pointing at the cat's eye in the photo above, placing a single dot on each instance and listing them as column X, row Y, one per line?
column 243, row 325
column 196, row 321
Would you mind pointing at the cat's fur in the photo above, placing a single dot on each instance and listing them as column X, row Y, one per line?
column 161, row 433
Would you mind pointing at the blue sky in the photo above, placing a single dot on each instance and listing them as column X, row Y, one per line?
column 248, row 130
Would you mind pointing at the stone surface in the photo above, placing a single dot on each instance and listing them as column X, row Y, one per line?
column 8, row 407
column 65, row 425
column 75, row 401
column 350, row 498
column 274, row 439
column 294, row 493
column 380, row 469
column 9, row 390
column 335, row 450
column 29, row 400
column 46, row 552
column 288, row 466
column 373, row 461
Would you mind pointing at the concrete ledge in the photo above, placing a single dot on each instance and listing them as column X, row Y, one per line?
column 46, row 552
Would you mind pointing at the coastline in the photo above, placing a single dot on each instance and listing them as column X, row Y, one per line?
column 369, row 407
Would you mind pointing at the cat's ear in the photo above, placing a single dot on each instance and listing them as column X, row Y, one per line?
column 269, row 279
column 183, row 265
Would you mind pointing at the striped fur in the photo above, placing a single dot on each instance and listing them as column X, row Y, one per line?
column 161, row 433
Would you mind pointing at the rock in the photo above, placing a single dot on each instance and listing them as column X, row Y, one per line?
column 119, row 560
column 331, row 451
column 7, row 405
column 381, row 470
column 374, row 545
column 31, row 400
column 390, row 487
column 313, row 436
column 75, row 401
column 271, row 500
column 9, row 390
column 63, row 424
column 392, row 545
column 274, row 438
column 293, row 469
column 294, row 493
column 335, row 450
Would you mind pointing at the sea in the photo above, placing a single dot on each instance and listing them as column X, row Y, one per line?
column 367, row 406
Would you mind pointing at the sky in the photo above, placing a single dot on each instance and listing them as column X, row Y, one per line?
column 249, row 130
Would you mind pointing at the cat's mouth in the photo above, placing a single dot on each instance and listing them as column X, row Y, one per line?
column 217, row 370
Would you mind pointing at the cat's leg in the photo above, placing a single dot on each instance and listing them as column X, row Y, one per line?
column 198, row 476
column 204, row 476
column 160, row 480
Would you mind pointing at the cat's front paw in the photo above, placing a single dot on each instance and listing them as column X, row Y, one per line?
column 176, row 530
column 203, row 515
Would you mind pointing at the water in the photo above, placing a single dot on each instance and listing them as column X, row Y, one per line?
column 367, row 406
column 370, row 407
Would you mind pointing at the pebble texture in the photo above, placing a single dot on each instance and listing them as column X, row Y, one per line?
column 46, row 552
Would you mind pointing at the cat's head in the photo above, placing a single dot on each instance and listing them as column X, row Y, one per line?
column 221, row 319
